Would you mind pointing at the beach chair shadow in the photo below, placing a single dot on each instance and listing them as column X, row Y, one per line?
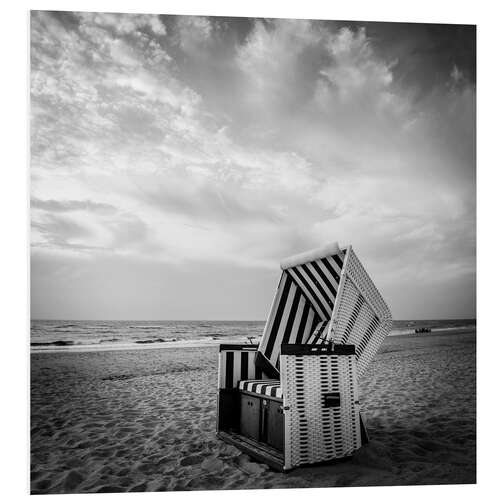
column 292, row 400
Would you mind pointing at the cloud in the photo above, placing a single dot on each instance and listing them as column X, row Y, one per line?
column 354, row 69
column 179, row 138
column 72, row 205
column 61, row 232
column 299, row 60
column 206, row 202
column 89, row 228
column 125, row 24
column 278, row 58
column 193, row 32
column 148, row 87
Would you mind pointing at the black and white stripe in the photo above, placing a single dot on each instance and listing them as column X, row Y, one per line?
column 319, row 281
column 305, row 297
column 290, row 321
column 236, row 365
column 320, row 333
column 269, row 388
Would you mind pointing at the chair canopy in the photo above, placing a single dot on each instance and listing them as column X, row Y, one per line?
column 324, row 296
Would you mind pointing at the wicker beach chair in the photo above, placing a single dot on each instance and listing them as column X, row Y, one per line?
column 293, row 399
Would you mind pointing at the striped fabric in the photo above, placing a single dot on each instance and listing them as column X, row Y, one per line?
column 319, row 281
column 303, row 303
column 269, row 388
column 320, row 333
column 291, row 321
column 235, row 365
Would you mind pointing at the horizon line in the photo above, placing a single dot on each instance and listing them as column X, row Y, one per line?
column 208, row 320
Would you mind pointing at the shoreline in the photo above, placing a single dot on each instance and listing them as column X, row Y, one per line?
column 186, row 344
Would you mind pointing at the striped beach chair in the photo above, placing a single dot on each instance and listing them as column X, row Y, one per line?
column 293, row 399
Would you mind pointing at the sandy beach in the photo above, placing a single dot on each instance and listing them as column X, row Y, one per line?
column 144, row 420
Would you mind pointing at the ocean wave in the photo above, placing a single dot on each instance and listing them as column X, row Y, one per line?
column 147, row 327
column 154, row 341
column 60, row 343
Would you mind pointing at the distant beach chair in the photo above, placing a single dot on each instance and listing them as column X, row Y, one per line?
column 293, row 399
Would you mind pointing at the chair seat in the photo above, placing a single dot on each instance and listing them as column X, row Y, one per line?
column 269, row 388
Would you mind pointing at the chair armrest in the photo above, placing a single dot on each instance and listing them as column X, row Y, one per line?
column 238, row 347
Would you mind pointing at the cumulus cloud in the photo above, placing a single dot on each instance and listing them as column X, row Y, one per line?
column 354, row 69
column 193, row 32
column 125, row 24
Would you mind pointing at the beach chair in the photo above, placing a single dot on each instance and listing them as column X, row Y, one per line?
column 293, row 399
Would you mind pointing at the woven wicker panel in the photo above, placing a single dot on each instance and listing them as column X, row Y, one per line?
column 363, row 282
column 361, row 317
column 314, row 432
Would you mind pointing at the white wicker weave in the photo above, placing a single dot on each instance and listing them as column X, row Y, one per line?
column 314, row 432
column 360, row 316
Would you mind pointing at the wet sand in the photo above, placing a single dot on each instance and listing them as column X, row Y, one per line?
column 144, row 420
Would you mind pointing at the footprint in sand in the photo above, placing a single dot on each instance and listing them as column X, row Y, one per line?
column 192, row 460
column 72, row 480
column 139, row 487
column 110, row 489
column 212, row 465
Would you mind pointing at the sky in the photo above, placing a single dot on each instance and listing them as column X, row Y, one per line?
column 175, row 161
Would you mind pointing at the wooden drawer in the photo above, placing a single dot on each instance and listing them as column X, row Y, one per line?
column 262, row 419
column 250, row 416
column 274, row 428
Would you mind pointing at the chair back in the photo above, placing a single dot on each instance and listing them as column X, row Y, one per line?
column 324, row 296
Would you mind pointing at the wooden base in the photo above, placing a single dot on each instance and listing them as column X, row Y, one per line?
column 252, row 430
column 266, row 454
column 259, row 451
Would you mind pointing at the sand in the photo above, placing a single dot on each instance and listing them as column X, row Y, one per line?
column 144, row 420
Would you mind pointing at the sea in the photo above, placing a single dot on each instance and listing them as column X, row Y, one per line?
column 63, row 335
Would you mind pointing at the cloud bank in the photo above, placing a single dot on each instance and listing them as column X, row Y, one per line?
column 173, row 146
